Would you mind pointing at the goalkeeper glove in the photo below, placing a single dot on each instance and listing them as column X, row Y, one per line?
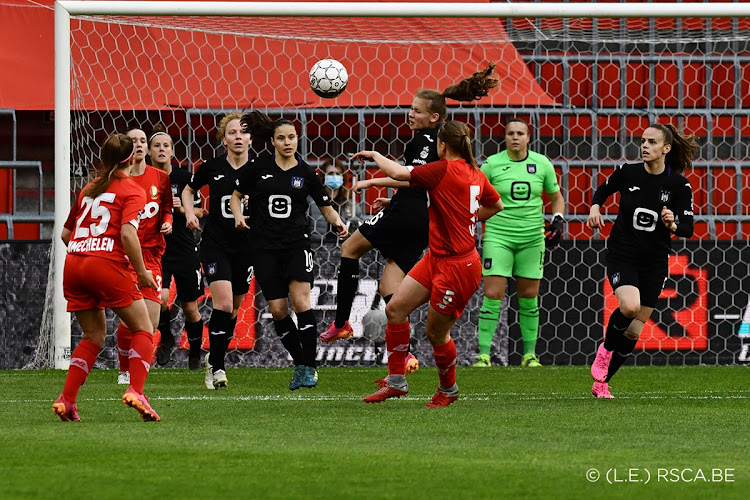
column 553, row 232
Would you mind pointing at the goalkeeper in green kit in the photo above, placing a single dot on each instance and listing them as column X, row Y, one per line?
column 515, row 239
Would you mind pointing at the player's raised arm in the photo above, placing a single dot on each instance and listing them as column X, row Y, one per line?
column 386, row 182
column 389, row 167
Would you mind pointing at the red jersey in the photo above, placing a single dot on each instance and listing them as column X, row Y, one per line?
column 95, row 223
column 456, row 190
column 158, row 209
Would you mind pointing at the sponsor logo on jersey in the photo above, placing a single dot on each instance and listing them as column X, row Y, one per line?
column 665, row 195
column 427, row 136
column 153, row 192
column 634, row 188
column 487, row 263
column 531, row 168
column 298, row 182
column 219, row 177
column 267, row 176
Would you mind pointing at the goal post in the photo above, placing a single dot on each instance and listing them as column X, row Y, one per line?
column 557, row 121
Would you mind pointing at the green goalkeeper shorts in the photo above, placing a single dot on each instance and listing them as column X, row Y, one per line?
column 522, row 260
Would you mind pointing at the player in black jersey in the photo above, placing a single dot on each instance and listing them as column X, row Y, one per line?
column 180, row 259
column 223, row 250
column 400, row 229
column 656, row 202
column 278, row 186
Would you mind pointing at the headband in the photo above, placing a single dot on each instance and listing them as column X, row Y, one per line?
column 155, row 134
column 130, row 156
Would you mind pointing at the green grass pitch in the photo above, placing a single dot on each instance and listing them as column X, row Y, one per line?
column 514, row 433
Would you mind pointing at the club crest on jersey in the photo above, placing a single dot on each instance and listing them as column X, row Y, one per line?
column 615, row 278
column 153, row 192
column 531, row 168
column 425, row 152
column 211, row 268
column 487, row 263
column 298, row 182
column 665, row 195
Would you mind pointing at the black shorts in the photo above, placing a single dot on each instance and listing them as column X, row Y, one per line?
column 274, row 269
column 187, row 278
column 398, row 234
column 220, row 265
column 648, row 279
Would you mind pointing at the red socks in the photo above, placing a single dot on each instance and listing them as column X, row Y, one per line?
column 141, row 351
column 124, row 337
column 397, row 343
column 445, row 360
column 81, row 362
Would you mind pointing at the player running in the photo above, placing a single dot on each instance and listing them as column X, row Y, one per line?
column 656, row 201
column 101, row 233
column 223, row 250
column 450, row 272
column 155, row 222
column 278, row 186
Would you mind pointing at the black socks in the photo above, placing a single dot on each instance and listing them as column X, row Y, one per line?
column 348, row 282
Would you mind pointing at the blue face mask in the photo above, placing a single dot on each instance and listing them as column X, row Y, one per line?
column 334, row 181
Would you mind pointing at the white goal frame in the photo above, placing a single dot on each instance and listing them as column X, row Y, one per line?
column 64, row 9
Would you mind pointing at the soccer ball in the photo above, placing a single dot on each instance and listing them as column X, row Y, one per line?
column 373, row 324
column 328, row 78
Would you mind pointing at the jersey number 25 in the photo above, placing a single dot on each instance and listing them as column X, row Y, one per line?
column 97, row 212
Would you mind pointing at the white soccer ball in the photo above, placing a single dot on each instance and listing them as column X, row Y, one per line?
column 328, row 78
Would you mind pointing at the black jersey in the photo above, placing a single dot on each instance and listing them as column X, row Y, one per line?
column 422, row 149
column 221, row 179
column 638, row 234
column 181, row 244
column 278, row 202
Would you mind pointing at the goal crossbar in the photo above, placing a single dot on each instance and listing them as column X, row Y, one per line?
column 406, row 9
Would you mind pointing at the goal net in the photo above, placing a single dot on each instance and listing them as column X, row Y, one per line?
column 588, row 86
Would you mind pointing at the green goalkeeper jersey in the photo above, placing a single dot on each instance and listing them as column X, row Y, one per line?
column 520, row 184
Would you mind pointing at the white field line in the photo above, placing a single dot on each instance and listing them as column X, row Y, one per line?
column 520, row 396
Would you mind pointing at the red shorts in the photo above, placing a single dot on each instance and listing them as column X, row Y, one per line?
column 91, row 282
column 152, row 260
column 452, row 281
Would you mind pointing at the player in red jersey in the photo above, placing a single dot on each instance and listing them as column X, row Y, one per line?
column 101, row 235
column 156, row 221
column 451, row 270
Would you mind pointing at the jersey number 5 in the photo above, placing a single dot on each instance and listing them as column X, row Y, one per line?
column 97, row 212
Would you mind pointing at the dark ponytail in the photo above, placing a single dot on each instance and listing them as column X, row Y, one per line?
column 115, row 154
column 474, row 87
column 262, row 126
column 457, row 136
column 684, row 147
